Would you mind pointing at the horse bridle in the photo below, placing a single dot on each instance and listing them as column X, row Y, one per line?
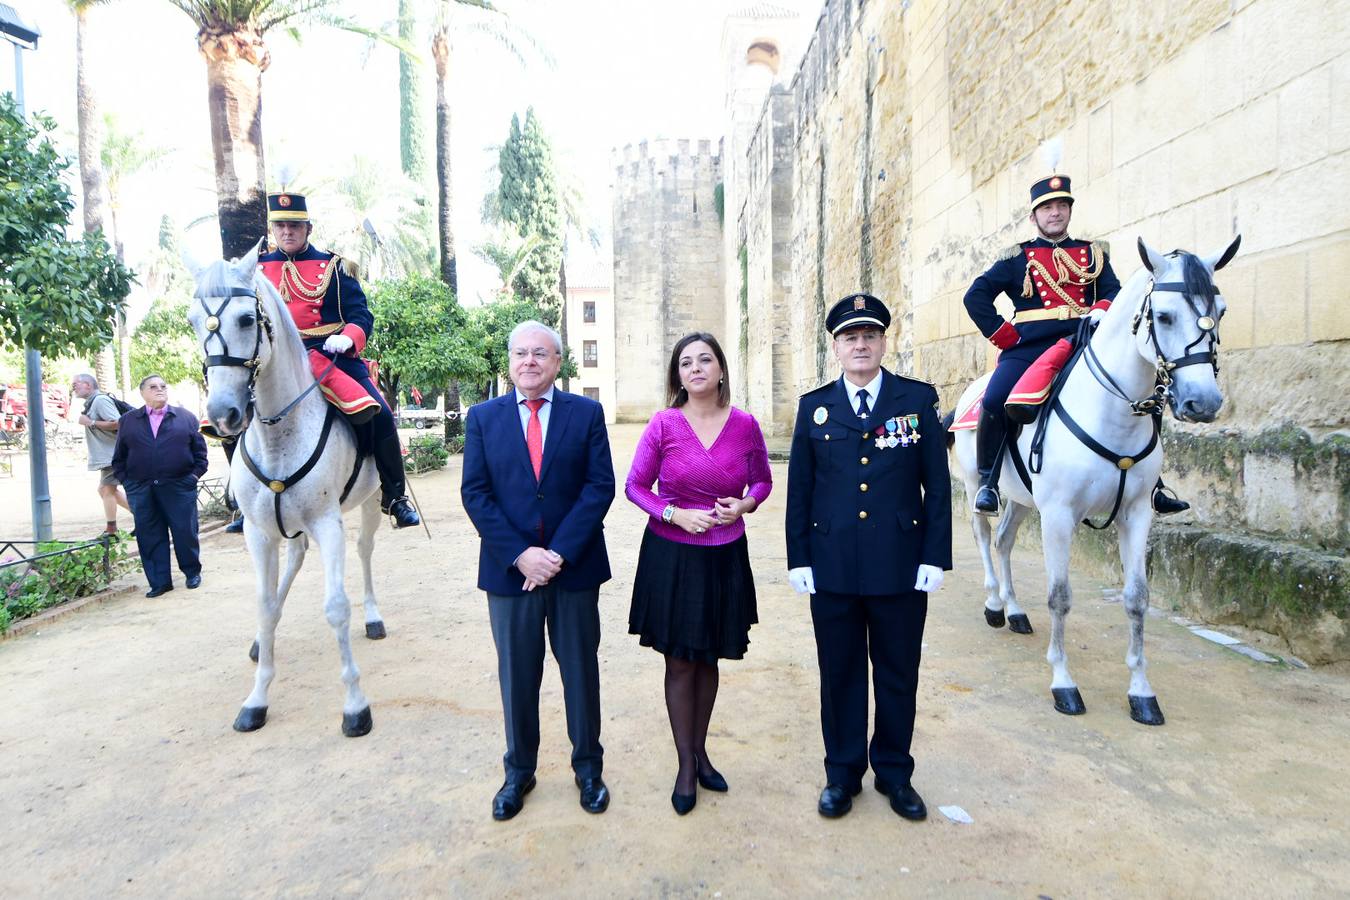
column 1164, row 367
column 261, row 323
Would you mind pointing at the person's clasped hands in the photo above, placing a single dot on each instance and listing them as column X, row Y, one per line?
column 539, row 566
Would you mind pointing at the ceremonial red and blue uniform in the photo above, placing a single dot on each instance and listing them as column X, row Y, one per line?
column 325, row 298
column 1051, row 286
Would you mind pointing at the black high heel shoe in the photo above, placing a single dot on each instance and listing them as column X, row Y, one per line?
column 712, row 780
column 683, row 802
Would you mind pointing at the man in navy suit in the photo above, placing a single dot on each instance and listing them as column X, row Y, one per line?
column 869, row 533
column 538, row 481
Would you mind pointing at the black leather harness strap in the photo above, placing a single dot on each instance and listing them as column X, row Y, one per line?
column 1123, row 463
column 279, row 486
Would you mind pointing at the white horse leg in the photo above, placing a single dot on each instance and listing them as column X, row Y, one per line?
column 1132, row 533
column 329, row 533
column 295, row 558
column 265, row 554
column 1008, row 524
column 993, row 604
column 365, row 546
column 1056, row 535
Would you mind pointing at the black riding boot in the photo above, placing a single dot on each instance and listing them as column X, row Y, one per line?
column 236, row 525
column 393, row 500
column 1165, row 502
column 989, row 437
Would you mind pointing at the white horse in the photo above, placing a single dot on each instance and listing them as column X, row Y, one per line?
column 1157, row 343
column 294, row 471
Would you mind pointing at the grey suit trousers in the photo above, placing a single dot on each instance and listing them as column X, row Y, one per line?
column 573, row 622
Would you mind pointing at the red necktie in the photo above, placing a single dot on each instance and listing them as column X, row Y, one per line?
column 534, row 435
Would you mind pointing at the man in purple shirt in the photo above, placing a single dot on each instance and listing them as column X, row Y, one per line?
column 158, row 458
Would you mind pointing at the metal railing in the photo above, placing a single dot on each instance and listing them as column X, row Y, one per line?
column 38, row 575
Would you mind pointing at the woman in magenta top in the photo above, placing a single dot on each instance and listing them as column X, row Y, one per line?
column 693, row 594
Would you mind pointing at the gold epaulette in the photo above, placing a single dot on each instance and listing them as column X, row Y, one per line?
column 1102, row 247
column 350, row 268
column 1010, row 252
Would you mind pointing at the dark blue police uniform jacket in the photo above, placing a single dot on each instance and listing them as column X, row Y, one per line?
column 864, row 518
column 563, row 510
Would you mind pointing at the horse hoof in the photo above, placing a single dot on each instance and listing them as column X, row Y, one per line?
column 375, row 631
column 1019, row 623
column 1145, row 710
column 1068, row 701
column 994, row 617
column 250, row 718
column 253, row 652
column 357, row 724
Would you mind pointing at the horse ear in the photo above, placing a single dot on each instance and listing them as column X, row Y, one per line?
column 194, row 265
column 1153, row 260
column 1217, row 261
column 247, row 265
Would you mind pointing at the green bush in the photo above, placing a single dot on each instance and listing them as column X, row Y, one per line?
column 425, row 453
column 27, row 590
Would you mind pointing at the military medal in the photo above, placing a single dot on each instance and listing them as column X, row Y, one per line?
column 912, row 420
column 820, row 415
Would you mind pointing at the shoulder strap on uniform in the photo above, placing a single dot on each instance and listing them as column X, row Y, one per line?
column 349, row 267
column 1010, row 252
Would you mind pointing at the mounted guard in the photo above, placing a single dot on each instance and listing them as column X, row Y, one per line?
column 324, row 297
column 1053, row 281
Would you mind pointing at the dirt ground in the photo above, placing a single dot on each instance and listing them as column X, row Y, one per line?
column 122, row 776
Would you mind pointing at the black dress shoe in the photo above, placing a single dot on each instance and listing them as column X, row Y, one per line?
column 904, row 800
column 511, row 799
column 156, row 591
column 403, row 514
column 712, row 780
column 594, row 794
column 683, row 802
column 194, row 581
column 836, row 800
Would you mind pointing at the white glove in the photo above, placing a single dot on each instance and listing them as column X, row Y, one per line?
column 338, row 343
column 929, row 580
column 802, row 579
column 1096, row 316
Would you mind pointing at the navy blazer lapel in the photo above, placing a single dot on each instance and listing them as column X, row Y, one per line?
column 841, row 408
column 558, row 417
column 892, row 399
column 515, row 436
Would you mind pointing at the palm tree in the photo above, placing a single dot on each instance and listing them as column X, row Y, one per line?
column 456, row 18
column 230, row 38
column 123, row 154
column 375, row 222
column 91, row 175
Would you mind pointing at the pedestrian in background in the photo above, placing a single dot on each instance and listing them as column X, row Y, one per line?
column 694, row 594
column 100, row 420
column 159, row 456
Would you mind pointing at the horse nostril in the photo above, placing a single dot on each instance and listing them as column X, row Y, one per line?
column 235, row 418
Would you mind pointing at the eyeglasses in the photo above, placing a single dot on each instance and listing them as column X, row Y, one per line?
column 539, row 353
column 156, row 387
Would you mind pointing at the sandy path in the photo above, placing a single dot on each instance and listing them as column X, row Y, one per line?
column 122, row 775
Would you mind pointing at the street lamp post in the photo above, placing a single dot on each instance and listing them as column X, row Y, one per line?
column 25, row 37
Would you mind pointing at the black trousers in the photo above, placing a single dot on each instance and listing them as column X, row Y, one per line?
column 573, row 622
column 848, row 629
column 160, row 508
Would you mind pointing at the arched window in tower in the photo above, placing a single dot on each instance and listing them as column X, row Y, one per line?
column 763, row 52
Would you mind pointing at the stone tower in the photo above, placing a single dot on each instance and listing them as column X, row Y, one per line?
column 667, row 263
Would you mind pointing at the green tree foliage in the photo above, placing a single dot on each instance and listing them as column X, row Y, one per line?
column 411, row 135
column 164, row 343
column 422, row 337
column 529, row 201
column 57, row 296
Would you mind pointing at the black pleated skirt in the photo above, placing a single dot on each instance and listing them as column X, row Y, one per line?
column 691, row 602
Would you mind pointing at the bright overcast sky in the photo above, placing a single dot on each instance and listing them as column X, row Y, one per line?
column 624, row 70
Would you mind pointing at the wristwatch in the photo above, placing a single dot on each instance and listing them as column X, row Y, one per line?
column 668, row 514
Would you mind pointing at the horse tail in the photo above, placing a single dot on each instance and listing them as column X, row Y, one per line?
column 947, row 428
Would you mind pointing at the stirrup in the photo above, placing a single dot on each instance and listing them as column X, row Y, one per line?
column 402, row 514
column 984, row 493
column 1167, row 503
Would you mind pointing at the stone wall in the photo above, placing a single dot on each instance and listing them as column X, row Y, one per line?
column 667, row 264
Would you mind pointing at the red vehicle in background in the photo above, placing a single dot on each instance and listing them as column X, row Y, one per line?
column 14, row 410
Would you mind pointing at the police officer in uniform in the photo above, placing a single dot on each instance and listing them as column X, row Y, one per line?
column 326, row 301
column 869, row 533
column 1053, row 280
